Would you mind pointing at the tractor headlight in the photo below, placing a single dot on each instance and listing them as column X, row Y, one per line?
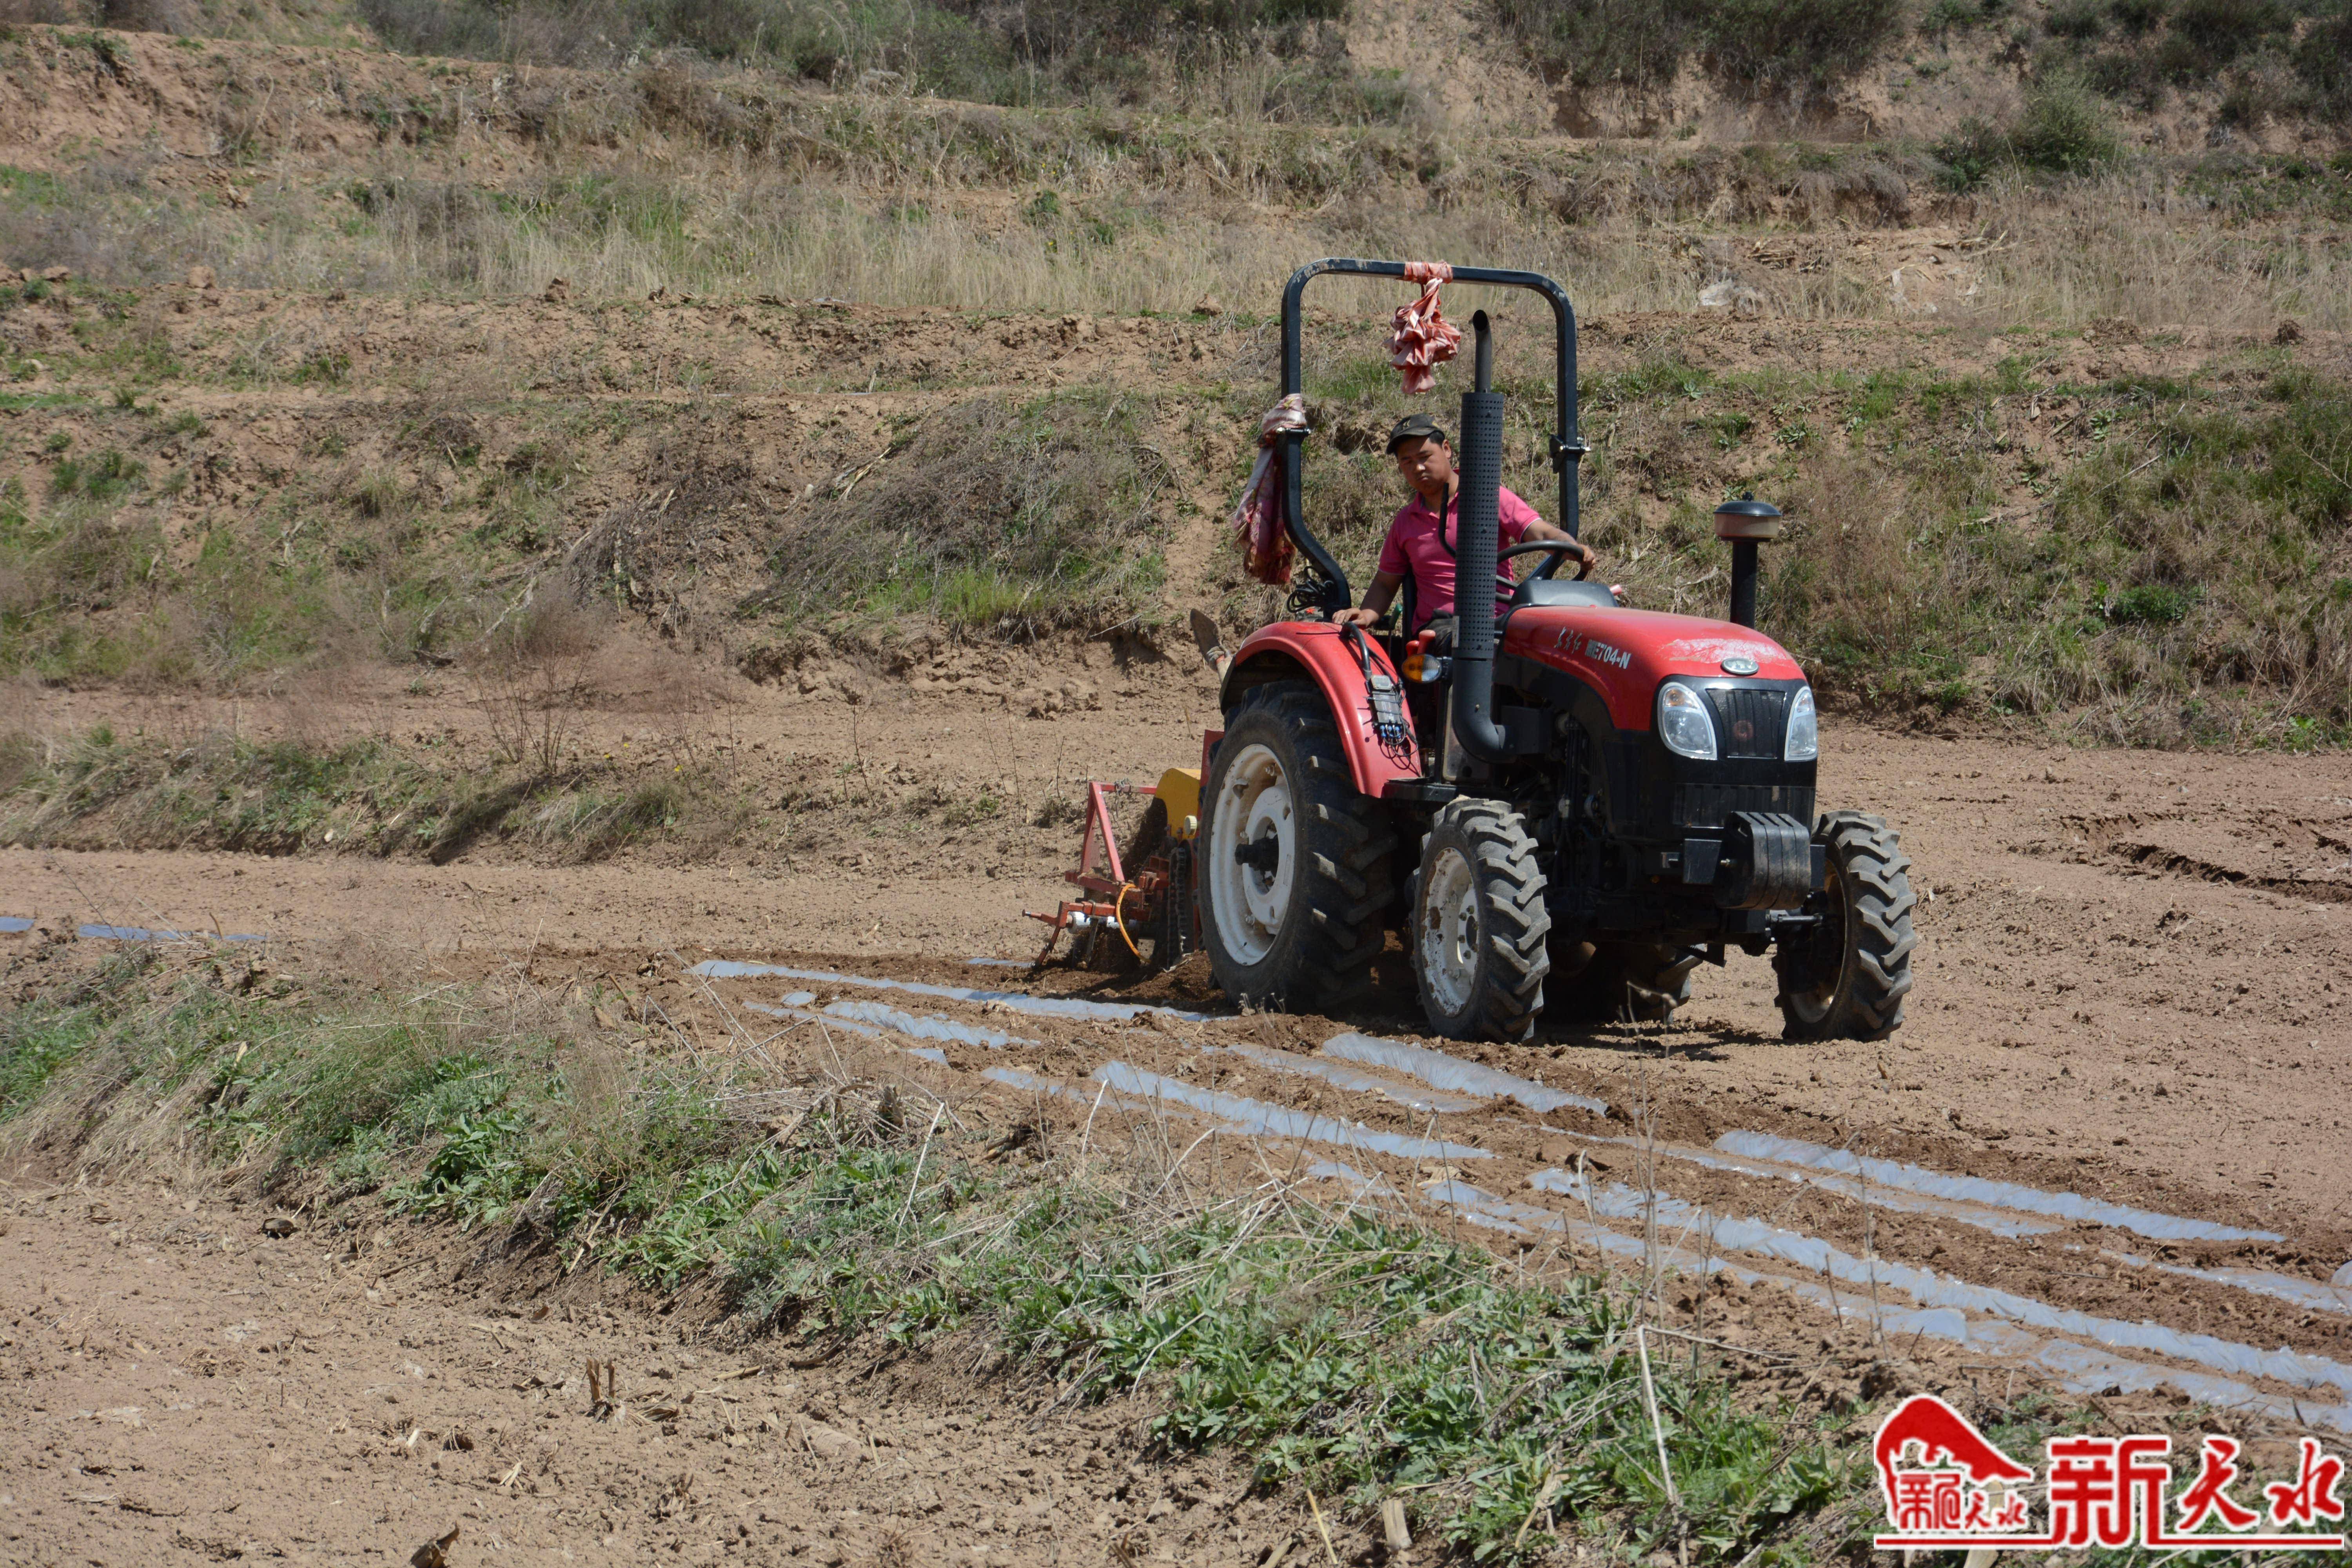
column 1683, row 722
column 1804, row 729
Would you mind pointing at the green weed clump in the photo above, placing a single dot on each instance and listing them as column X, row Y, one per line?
column 1345, row 1349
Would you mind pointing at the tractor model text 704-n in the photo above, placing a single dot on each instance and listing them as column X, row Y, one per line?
column 1611, row 795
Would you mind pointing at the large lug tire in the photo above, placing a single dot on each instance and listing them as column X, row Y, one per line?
column 1479, row 927
column 1292, row 865
column 1846, row 977
column 1620, row 982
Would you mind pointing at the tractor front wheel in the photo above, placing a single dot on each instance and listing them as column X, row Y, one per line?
column 1845, row 977
column 1479, row 924
column 1292, row 864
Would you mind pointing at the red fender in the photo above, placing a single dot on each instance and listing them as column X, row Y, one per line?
column 1292, row 650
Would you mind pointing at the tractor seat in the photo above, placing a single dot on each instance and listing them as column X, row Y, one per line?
column 1561, row 593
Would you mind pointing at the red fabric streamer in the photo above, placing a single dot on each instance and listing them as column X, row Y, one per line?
column 1256, row 521
column 1423, row 336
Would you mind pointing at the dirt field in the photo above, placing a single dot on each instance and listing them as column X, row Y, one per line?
column 182, row 1387
column 2130, row 988
column 2110, row 939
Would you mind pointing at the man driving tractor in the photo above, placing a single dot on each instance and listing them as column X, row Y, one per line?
column 1419, row 546
column 1421, row 539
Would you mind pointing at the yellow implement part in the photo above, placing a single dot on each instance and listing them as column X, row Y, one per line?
column 1180, row 793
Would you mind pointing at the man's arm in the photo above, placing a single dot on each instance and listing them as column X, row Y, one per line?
column 1541, row 530
column 1377, row 600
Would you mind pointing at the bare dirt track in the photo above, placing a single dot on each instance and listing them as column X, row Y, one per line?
column 181, row 1387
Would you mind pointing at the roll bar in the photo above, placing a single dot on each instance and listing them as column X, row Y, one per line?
column 1568, row 448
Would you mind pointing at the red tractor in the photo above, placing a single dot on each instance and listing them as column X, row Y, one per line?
column 1610, row 796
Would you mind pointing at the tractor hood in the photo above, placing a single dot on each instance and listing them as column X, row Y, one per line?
column 1624, row 654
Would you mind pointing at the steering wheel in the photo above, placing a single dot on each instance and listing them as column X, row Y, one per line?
column 1557, row 548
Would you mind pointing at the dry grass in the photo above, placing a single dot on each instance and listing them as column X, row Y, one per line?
column 719, row 183
column 2057, row 255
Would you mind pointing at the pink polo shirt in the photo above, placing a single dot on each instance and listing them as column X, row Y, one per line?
column 1415, row 550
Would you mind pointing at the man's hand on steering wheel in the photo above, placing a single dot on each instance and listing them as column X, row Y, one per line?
column 1553, row 550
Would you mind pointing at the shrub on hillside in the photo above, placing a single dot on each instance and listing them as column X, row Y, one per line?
column 2062, row 130
column 2323, row 58
column 1763, row 44
column 2203, row 36
column 978, row 49
column 2267, row 58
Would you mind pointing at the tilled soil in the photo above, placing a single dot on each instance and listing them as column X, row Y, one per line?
column 2130, row 986
column 180, row 1387
column 2133, row 966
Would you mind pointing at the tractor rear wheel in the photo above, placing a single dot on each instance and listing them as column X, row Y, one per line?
column 1479, row 924
column 1292, row 864
column 1846, row 977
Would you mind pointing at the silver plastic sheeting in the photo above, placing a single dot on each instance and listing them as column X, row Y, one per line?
column 141, row 933
column 1439, row 1070
column 2306, row 1293
column 1356, row 1181
column 1341, row 1076
column 1096, row 1097
column 2082, row 1369
column 926, row 1026
column 1617, row 1200
column 1261, row 1119
column 1982, row 1190
column 2313, row 1294
column 871, row 1031
column 1019, row 1001
column 2000, row 1221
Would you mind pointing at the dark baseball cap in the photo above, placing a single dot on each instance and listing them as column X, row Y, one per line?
column 1414, row 427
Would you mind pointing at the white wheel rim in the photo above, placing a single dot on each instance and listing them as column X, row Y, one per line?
column 1248, row 902
column 1449, row 930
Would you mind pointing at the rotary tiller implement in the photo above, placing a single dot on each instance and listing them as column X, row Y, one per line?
column 1141, row 895
column 1570, row 811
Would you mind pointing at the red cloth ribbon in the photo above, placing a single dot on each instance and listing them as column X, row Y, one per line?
column 1423, row 336
column 1256, row 521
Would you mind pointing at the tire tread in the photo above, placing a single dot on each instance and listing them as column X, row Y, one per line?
column 1870, row 857
column 1344, row 867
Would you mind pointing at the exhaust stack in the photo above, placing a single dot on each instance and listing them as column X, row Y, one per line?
column 1475, row 551
column 1746, row 523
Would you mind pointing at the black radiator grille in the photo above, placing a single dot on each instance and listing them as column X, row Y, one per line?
column 1707, row 805
column 1749, row 721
